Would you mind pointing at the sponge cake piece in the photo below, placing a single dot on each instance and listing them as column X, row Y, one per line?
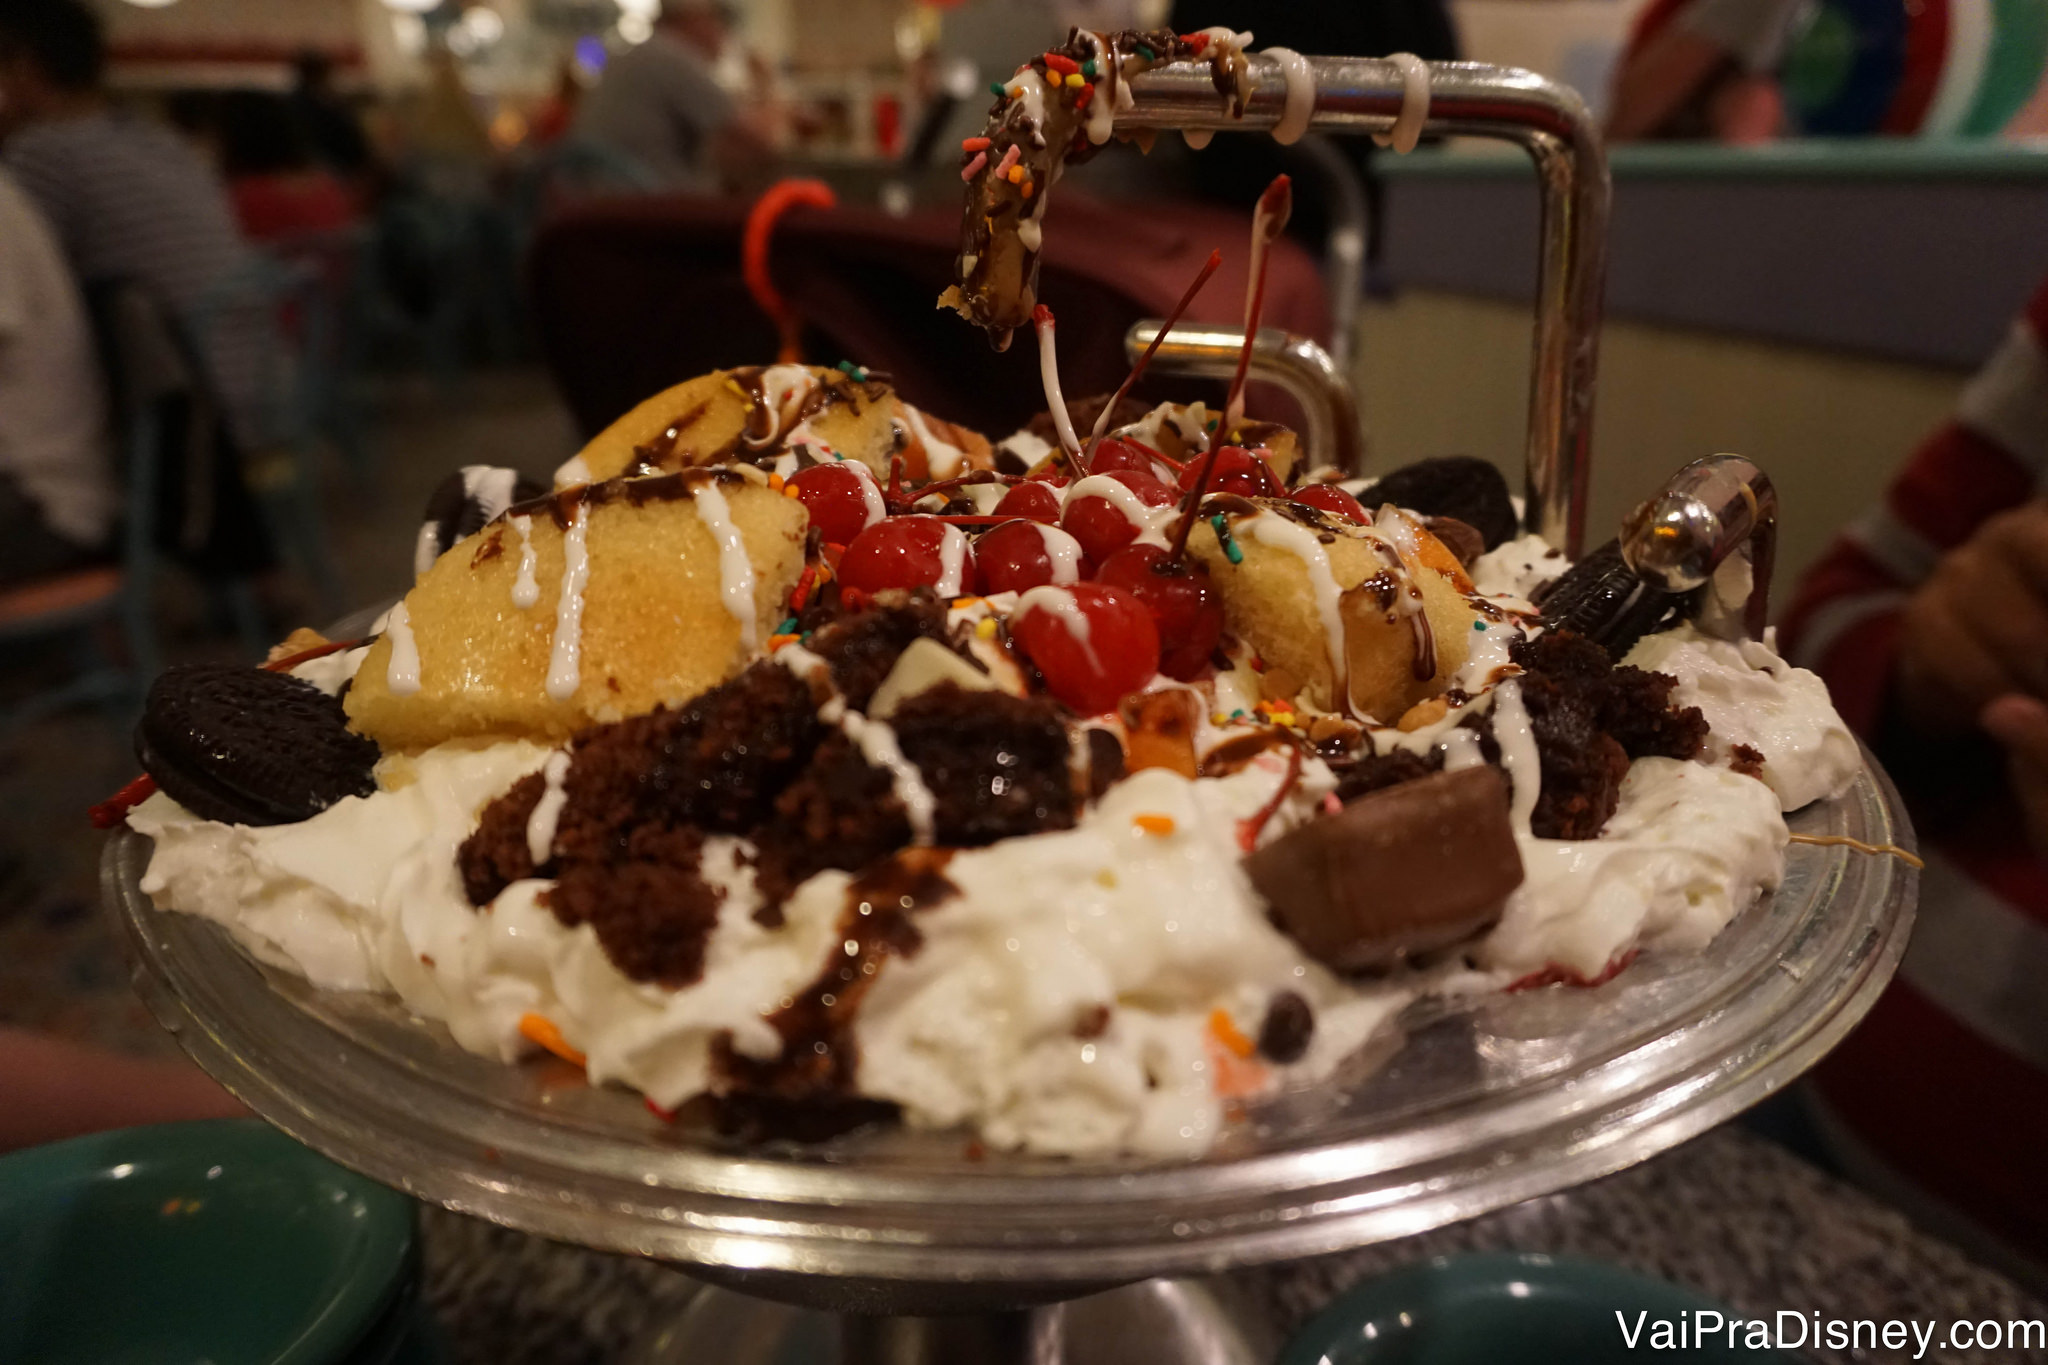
column 751, row 415
column 1305, row 576
column 664, row 612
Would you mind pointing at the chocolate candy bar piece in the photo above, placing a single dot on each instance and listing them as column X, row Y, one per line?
column 1401, row 871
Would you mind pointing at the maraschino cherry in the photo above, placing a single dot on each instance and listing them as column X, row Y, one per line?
column 909, row 552
column 1184, row 603
column 1019, row 555
column 1334, row 500
column 1034, row 500
column 1101, row 525
column 1114, row 453
column 842, row 498
column 1238, row 471
column 1092, row 643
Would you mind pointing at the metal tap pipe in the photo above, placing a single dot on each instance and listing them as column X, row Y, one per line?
column 1294, row 363
column 1362, row 95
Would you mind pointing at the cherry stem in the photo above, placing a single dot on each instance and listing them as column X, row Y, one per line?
column 1193, row 505
column 1102, row 419
column 1275, row 206
column 900, row 500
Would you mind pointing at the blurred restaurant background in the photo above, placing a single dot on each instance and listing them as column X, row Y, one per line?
column 475, row 231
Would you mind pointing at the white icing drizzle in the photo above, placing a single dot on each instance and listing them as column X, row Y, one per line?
column 952, row 560
column 565, row 671
column 1150, row 521
column 735, row 569
column 1270, row 528
column 490, row 487
column 783, row 389
column 1517, row 751
column 525, row 590
column 877, row 742
column 1101, row 112
column 1407, row 129
column 1060, row 603
column 1301, row 95
column 1049, row 373
column 942, row 458
column 1063, row 550
column 402, row 675
column 573, row 471
column 1461, row 748
column 547, row 812
column 1487, row 654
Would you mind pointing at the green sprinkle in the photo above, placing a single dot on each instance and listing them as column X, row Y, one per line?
column 1211, row 426
column 1088, row 68
column 1479, row 625
column 787, row 627
column 1238, row 714
column 996, row 88
column 1223, row 537
column 1147, row 53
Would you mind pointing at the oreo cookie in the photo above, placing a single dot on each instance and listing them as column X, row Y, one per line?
column 464, row 503
column 250, row 747
column 1605, row 600
column 1463, row 487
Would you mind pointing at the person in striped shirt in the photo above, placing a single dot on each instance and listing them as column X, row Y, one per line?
column 128, row 199
column 1929, row 619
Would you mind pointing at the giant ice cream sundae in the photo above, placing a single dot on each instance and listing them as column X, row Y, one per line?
column 803, row 760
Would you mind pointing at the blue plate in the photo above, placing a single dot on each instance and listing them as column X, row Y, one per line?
column 223, row 1242
column 1528, row 1309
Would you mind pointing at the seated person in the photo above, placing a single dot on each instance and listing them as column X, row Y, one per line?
column 57, row 496
column 1929, row 619
column 1703, row 69
column 279, row 191
column 660, row 107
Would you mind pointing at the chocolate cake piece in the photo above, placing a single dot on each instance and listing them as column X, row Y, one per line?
column 250, row 747
column 1376, row 772
column 862, row 647
column 652, row 910
column 1589, row 720
column 497, row 854
column 841, row 812
column 1405, row 870
column 717, row 763
column 997, row 766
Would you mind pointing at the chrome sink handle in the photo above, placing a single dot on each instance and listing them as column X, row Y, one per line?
column 1364, row 96
column 1711, row 510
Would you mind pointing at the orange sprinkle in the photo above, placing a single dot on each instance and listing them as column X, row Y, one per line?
column 1026, row 188
column 541, row 1032
column 1015, row 175
column 973, row 144
column 776, row 482
column 1227, row 1033
column 788, row 490
column 1235, row 1077
column 776, row 642
column 1154, row 824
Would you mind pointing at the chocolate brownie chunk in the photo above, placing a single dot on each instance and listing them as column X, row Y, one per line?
column 1460, row 486
column 841, row 812
column 861, row 648
column 997, row 766
column 1747, row 760
column 250, row 747
column 1375, row 772
column 717, row 763
column 1636, row 709
column 652, row 911
column 497, row 855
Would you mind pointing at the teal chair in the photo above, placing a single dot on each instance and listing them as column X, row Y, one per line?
column 79, row 612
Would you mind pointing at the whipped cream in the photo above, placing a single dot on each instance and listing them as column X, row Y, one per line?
column 1751, row 696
